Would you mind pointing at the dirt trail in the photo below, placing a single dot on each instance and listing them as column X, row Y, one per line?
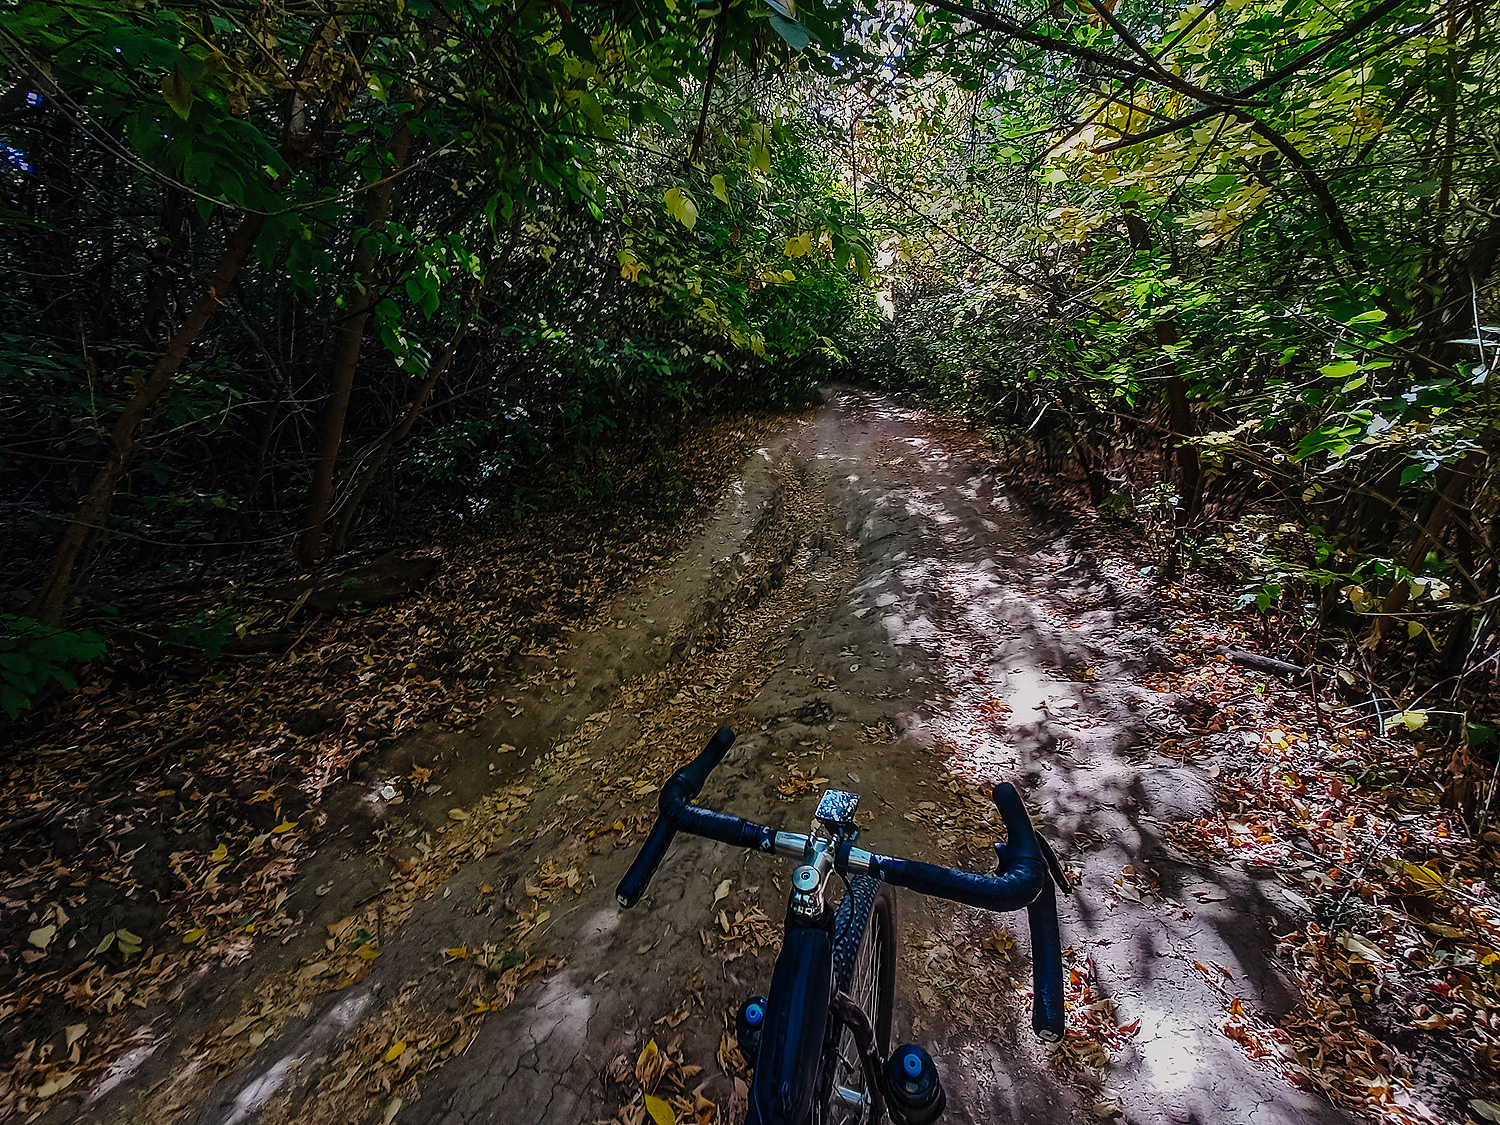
column 869, row 605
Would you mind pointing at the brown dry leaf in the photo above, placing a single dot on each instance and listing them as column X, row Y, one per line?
column 649, row 1066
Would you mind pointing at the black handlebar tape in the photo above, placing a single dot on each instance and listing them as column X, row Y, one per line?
column 1020, row 837
column 687, row 782
column 652, row 852
column 1011, row 891
column 683, row 786
column 1047, row 1018
column 1022, row 845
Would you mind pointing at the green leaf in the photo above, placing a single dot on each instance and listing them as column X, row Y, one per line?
column 577, row 41
column 178, row 91
column 796, row 36
column 1340, row 370
column 862, row 263
column 721, row 189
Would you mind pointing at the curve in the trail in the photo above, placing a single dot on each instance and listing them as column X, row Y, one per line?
column 870, row 605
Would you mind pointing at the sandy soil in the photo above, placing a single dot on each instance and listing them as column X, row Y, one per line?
column 869, row 605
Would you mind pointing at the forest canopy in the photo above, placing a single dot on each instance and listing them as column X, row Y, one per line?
column 286, row 275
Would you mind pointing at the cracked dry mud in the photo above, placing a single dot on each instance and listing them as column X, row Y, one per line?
column 869, row 604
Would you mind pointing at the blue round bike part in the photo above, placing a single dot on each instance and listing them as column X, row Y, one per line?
column 916, row 1091
column 748, row 1025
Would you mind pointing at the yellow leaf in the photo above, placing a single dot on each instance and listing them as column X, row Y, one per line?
column 398, row 1048
column 1423, row 876
column 458, row 952
column 192, row 936
column 1411, row 720
column 721, row 189
column 284, row 826
column 681, row 207
column 1413, row 628
column 646, row 1058
column 661, row 1112
column 368, row 952
column 219, row 854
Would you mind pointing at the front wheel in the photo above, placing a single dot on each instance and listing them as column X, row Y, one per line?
column 864, row 966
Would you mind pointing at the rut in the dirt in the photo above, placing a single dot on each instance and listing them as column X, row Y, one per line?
column 872, row 609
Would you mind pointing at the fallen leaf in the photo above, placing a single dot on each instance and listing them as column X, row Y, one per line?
column 391, row 1110
column 1362, row 949
column 457, row 814
column 661, row 1112
column 458, row 952
column 397, row 1049
column 722, row 891
column 284, row 826
column 61, row 1082
column 193, row 935
column 42, row 936
column 219, row 854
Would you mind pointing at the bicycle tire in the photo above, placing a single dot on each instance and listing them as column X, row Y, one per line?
column 864, row 966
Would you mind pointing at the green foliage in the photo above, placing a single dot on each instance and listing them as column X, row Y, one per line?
column 32, row 656
column 210, row 629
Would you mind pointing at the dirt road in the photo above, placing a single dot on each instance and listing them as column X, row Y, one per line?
column 869, row 605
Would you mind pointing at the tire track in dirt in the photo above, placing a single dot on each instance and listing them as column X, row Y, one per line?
column 873, row 610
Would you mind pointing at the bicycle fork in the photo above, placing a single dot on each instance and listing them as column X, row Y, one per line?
column 916, row 1097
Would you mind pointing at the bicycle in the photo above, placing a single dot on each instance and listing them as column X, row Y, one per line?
column 818, row 1040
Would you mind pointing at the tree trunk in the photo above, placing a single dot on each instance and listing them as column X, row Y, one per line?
column 348, row 342
column 1449, row 497
column 51, row 598
column 397, row 433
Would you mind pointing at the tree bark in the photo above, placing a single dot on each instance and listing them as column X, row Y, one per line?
column 348, row 342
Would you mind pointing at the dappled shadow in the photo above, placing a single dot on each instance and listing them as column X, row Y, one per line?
column 1038, row 649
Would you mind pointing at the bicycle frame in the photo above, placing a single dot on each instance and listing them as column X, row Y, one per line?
column 802, row 992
